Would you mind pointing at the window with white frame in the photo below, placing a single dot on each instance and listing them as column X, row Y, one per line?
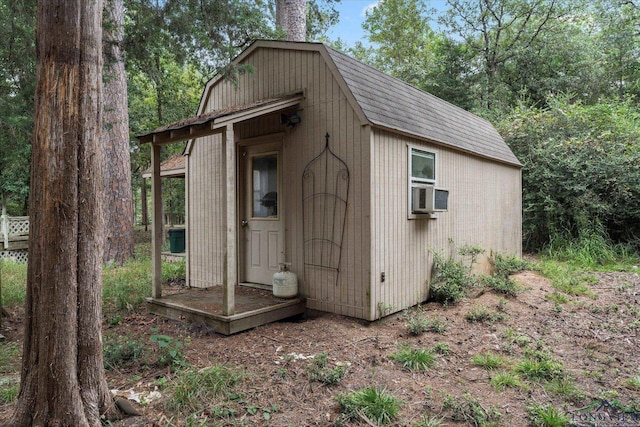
column 422, row 171
column 423, row 167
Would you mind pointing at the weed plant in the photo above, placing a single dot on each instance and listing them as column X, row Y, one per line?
column 442, row 348
column 414, row 359
column 502, row 379
column 633, row 383
column 377, row 405
column 320, row 371
column 118, row 351
column 488, row 361
column 501, row 285
column 9, row 357
column 451, row 280
column 481, row 313
column 470, row 410
column 430, row 421
column 546, row 416
column 566, row 387
column 504, row 265
column 169, row 351
column 418, row 322
column 9, row 391
column 539, row 366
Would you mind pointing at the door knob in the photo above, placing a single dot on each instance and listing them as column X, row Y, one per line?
column 244, row 223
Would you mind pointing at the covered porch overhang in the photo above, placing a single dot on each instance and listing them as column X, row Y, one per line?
column 227, row 316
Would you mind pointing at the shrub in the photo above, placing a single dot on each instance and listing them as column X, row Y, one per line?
column 169, row 351
column 502, row 285
column 451, row 280
column 505, row 266
column 378, row 405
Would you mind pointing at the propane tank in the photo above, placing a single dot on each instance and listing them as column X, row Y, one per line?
column 285, row 282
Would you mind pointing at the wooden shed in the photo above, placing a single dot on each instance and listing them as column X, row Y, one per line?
column 302, row 154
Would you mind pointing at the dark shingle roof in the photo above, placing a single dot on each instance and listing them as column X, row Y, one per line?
column 391, row 103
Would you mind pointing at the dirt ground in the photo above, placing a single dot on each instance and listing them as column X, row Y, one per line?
column 595, row 338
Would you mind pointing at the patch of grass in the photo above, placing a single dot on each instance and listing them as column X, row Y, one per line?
column 469, row 409
column 502, row 379
column 377, row 405
column 414, row 359
column 488, row 360
column 127, row 286
column 566, row 278
column 10, row 357
column 566, row 387
column 321, row 372
column 14, row 283
column 418, row 322
column 546, row 416
column 591, row 250
column 118, row 351
column 514, row 337
column 539, row 366
column 193, row 389
column 9, row 388
column 481, row 313
column 441, row 348
column 557, row 297
column 430, row 421
column 633, row 383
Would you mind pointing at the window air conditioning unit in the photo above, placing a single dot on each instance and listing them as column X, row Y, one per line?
column 428, row 199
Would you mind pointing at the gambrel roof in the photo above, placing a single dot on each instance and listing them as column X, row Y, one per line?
column 384, row 102
column 391, row 103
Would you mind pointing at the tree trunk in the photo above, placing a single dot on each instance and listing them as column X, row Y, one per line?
column 292, row 16
column 62, row 376
column 116, row 169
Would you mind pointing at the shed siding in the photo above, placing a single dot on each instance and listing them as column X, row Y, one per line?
column 325, row 109
column 484, row 209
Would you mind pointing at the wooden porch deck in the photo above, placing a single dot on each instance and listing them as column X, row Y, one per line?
column 254, row 307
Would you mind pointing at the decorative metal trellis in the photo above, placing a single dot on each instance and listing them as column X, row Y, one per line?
column 325, row 192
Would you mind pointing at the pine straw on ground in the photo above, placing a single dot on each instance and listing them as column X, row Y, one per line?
column 595, row 339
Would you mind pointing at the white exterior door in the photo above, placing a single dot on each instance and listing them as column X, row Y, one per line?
column 261, row 219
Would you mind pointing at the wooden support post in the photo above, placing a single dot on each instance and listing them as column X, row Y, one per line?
column 230, row 187
column 157, row 230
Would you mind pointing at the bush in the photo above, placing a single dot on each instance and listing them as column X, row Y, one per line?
column 580, row 169
column 451, row 280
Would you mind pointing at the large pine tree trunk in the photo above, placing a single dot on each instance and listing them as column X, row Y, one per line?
column 291, row 15
column 62, row 377
column 116, row 167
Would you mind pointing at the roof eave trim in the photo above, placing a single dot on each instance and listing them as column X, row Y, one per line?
column 444, row 144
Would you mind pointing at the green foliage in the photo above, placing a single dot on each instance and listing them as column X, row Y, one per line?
column 120, row 350
column 320, row 371
column 505, row 266
column 633, row 383
column 501, row 380
column 378, row 405
column 546, row 416
column 418, row 322
column 488, row 360
column 9, row 357
column 127, row 286
column 414, row 359
column 442, row 348
column 430, row 422
column 481, row 313
column 194, row 389
column 502, row 285
column 169, row 351
column 538, row 365
column 580, row 173
column 14, row 283
column 9, row 389
column 566, row 277
column 451, row 280
column 470, row 410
